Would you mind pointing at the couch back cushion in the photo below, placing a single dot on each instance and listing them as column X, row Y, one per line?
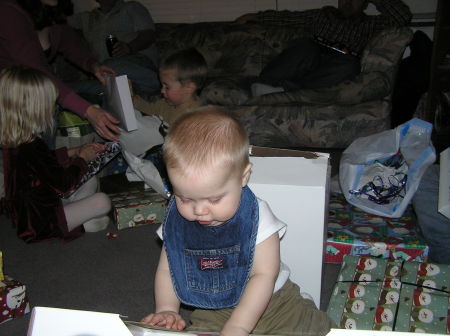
column 229, row 48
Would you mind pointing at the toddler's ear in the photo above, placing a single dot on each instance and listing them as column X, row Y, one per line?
column 246, row 174
column 190, row 85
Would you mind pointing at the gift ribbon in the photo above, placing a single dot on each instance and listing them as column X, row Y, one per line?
column 376, row 191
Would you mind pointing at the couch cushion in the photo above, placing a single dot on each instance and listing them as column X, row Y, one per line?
column 328, row 126
column 226, row 91
column 229, row 48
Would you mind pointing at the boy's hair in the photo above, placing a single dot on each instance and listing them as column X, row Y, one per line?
column 190, row 66
column 27, row 104
column 208, row 137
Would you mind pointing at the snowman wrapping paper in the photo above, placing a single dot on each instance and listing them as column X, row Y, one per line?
column 380, row 294
column 13, row 299
column 138, row 207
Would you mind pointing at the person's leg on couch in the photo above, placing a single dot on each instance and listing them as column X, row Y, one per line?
column 334, row 68
column 292, row 63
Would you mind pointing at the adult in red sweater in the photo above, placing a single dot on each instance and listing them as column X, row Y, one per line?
column 31, row 35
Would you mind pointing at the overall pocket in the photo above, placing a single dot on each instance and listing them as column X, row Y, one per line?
column 213, row 270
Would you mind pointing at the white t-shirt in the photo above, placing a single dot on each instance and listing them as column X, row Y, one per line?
column 268, row 225
column 124, row 21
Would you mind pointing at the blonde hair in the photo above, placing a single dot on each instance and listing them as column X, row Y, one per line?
column 27, row 104
column 208, row 137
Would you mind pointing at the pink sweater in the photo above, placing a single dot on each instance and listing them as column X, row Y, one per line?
column 19, row 45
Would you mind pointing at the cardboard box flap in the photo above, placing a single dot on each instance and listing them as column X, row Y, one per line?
column 47, row 321
column 119, row 102
column 289, row 171
column 278, row 152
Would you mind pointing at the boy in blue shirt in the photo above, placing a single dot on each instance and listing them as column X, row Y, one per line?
column 221, row 250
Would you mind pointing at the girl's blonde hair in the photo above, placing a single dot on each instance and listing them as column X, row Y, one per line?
column 27, row 105
column 209, row 137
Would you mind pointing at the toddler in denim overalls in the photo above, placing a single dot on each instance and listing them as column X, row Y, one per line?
column 221, row 250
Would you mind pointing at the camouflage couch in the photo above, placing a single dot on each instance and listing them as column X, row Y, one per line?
column 325, row 118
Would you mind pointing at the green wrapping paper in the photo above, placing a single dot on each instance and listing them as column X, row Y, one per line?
column 380, row 294
column 138, row 207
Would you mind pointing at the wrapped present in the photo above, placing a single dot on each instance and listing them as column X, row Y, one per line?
column 13, row 299
column 352, row 231
column 112, row 149
column 1, row 266
column 117, row 166
column 138, row 207
column 382, row 294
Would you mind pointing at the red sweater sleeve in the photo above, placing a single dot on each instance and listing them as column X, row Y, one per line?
column 65, row 40
column 19, row 45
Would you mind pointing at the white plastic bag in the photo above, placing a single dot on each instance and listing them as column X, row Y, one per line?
column 146, row 135
column 146, row 171
column 380, row 173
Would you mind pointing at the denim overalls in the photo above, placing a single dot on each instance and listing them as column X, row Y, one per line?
column 210, row 265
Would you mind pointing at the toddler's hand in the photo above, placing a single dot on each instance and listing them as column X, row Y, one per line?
column 88, row 152
column 166, row 319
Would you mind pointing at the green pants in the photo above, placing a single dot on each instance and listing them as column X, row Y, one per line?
column 288, row 313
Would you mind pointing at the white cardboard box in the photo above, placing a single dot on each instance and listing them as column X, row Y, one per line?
column 47, row 321
column 295, row 185
column 444, row 183
column 355, row 332
column 119, row 103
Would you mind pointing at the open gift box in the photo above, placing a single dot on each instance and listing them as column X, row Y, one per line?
column 295, row 185
column 47, row 321
column 381, row 294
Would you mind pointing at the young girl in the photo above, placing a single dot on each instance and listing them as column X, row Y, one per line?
column 35, row 176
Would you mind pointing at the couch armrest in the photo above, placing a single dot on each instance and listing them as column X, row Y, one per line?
column 385, row 50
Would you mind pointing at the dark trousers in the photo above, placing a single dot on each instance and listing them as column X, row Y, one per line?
column 309, row 65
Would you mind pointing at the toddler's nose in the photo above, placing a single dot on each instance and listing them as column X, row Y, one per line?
column 200, row 210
